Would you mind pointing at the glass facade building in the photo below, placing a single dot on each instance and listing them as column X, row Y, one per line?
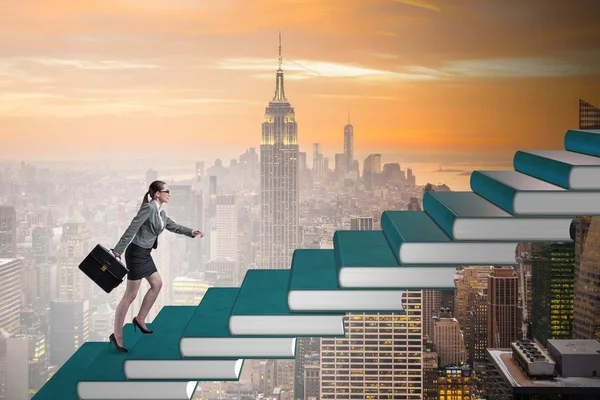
column 589, row 116
column 553, row 278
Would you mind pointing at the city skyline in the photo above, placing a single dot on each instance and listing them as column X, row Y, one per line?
column 163, row 80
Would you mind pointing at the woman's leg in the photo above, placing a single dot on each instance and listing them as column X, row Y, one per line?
column 155, row 282
column 130, row 294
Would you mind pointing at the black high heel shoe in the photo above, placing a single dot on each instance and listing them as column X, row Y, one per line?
column 137, row 324
column 113, row 340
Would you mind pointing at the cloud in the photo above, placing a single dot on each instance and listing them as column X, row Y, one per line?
column 79, row 103
column 354, row 96
column 288, row 77
column 459, row 69
column 512, row 67
column 420, row 4
column 93, row 65
column 321, row 69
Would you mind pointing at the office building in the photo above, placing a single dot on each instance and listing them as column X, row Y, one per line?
column 349, row 145
column 361, row 223
column 75, row 245
column 553, row 277
column 586, row 321
column 381, row 355
column 279, row 181
column 589, row 116
column 449, row 342
column 8, row 232
column 502, row 303
column 525, row 371
column 69, row 330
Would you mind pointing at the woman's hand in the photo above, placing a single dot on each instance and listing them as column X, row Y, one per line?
column 196, row 233
column 116, row 254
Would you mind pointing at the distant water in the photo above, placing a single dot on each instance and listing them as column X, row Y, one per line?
column 456, row 177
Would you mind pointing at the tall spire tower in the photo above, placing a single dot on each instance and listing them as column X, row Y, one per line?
column 279, row 92
column 349, row 144
column 279, row 180
column 280, row 60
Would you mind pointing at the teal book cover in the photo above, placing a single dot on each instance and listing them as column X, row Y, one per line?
column 211, row 317
column 63, row 384
column 584, row 141
column 168, row 326
column 363, row 249
column 261, row 309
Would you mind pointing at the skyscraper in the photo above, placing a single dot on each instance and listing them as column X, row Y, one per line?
column 380, row 357
column 10, row 296
column 349, row 144
column 589, row 116
column 586, row 321
column 361, row 223
column 8, row 232
column 318, row 166
column 279, row 193
column 70, row 328
column 307, row 350
column 502, row 302
column 75, row 245
column 431, row 308
column 553, row 275
column 227, row 227
column 449, row 341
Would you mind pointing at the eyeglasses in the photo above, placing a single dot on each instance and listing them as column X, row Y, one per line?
column 165, row 191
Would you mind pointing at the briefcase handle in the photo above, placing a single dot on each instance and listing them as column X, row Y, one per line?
column 108, row 269
column 113, row 254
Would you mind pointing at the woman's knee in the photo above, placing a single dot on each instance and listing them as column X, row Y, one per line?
column 130, row 297
column 156, row 284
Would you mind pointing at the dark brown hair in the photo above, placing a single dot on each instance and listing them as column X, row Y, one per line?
column 154, row 187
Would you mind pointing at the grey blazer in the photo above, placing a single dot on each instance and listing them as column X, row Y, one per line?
column 146, row 226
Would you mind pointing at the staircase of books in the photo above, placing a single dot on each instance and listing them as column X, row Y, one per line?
column 367, row 271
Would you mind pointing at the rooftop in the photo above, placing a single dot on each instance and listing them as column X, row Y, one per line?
column 518, row 378
column 576, row 346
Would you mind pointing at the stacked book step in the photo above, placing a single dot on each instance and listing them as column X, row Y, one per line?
column 367, row 271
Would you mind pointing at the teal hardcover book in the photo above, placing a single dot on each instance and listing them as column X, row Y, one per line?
column 261, row 309
column 415, row 238
column 314, row 287
column 521, row 194
column 157, row 355
column 105, row 377
column 468, row 216
column 364, row 259
column 569, row 170
column 64, row 383
column 584, row 141
column 108, row 366
column 207, row 335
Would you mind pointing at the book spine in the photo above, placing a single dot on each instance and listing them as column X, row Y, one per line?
column 551, row 171
column 439, row 212
column 493, row 191
column 293, row 269
column 583, row 142
column 337, row 252
column 392, row 233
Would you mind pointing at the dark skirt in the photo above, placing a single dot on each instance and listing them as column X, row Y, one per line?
column 139, row 262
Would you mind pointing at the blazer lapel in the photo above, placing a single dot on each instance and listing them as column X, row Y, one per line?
column 163, row 215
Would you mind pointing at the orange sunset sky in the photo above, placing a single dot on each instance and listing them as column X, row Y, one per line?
column 190, row 79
